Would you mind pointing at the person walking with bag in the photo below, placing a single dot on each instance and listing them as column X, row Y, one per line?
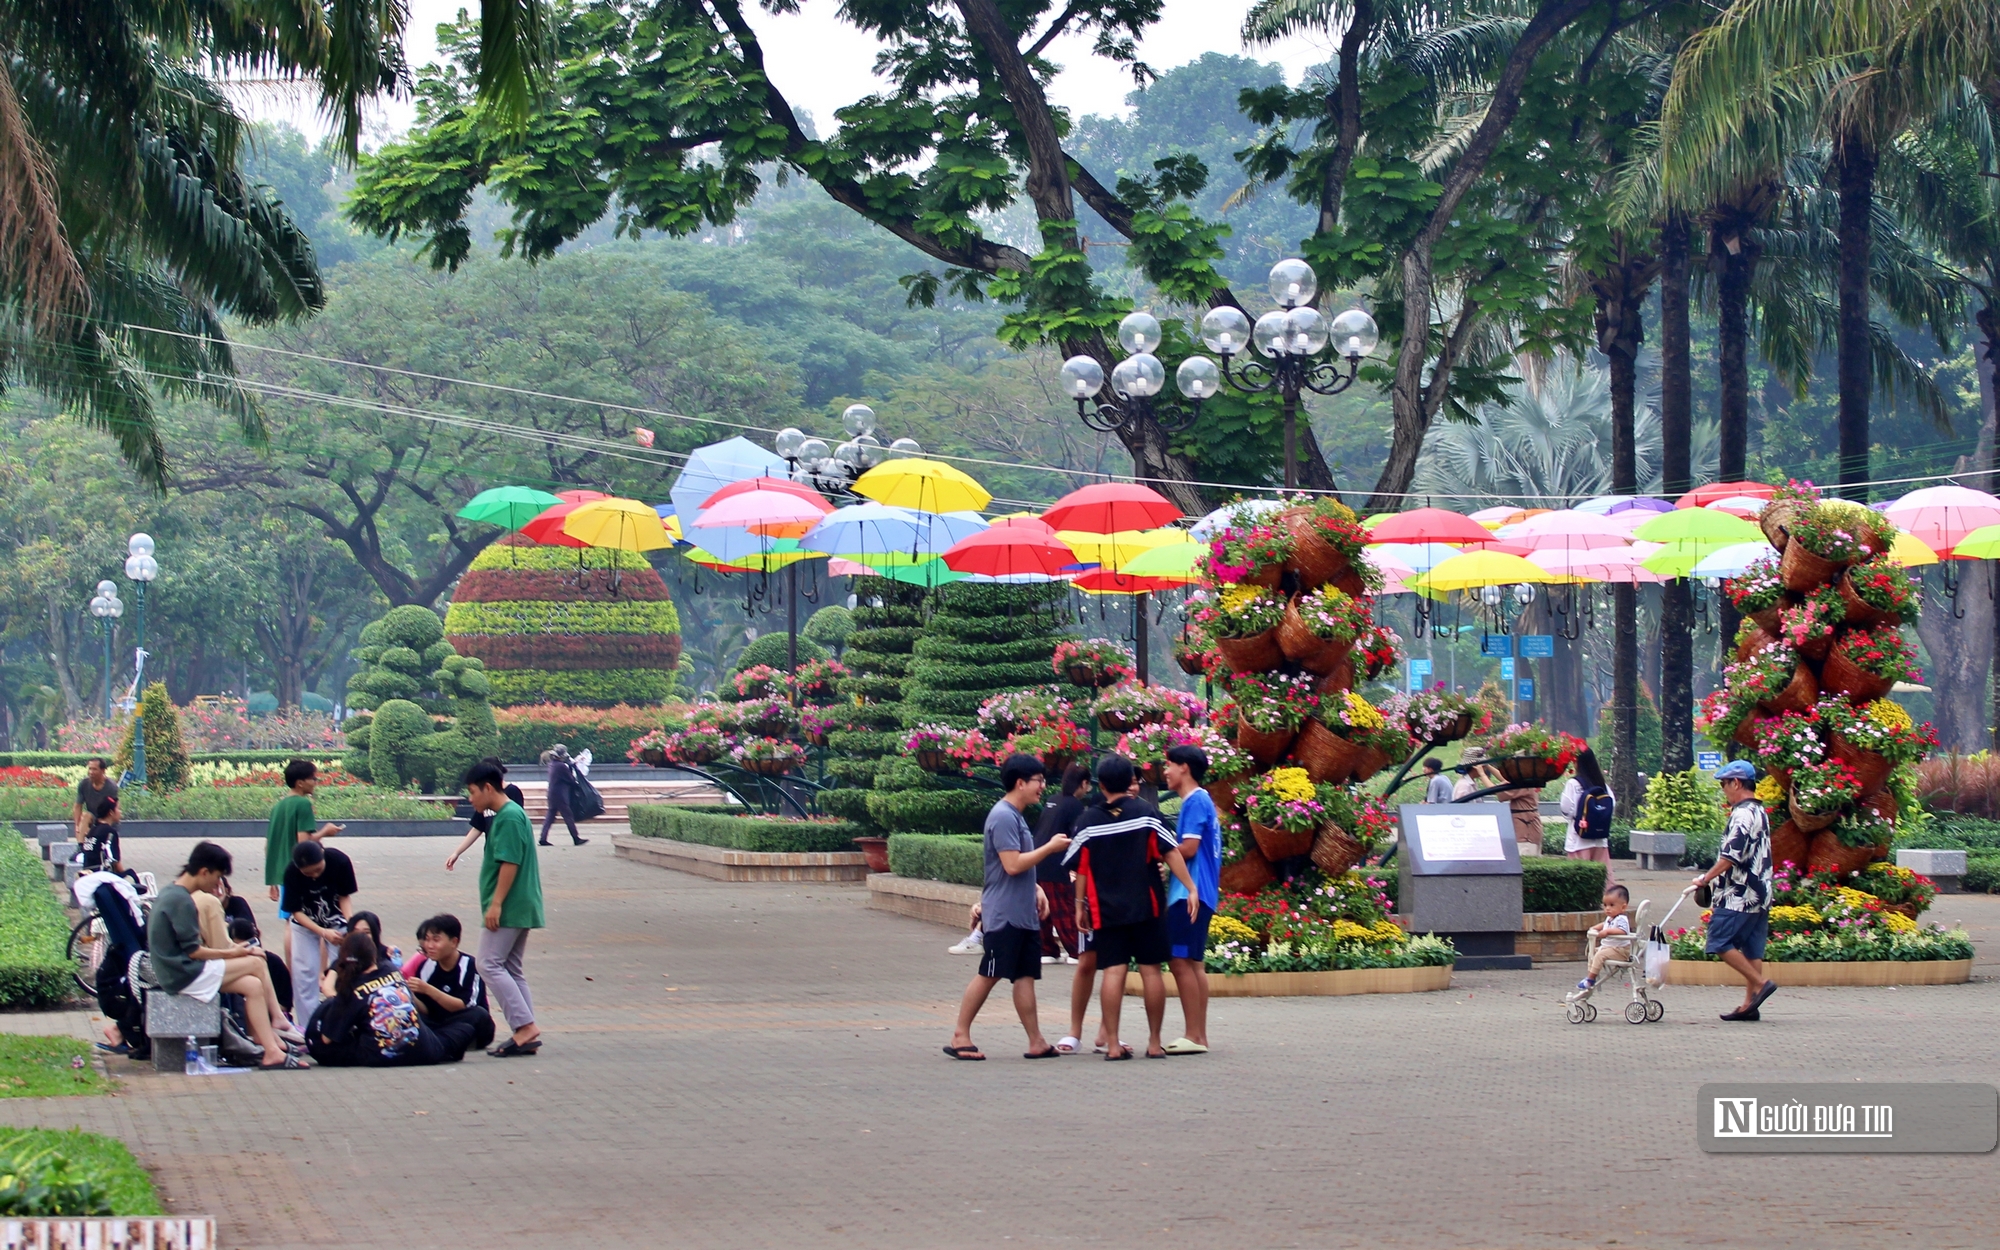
column 1588, row 805
column 562, row 792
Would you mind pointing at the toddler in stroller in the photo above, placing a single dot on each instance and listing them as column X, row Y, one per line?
column 1615, row 952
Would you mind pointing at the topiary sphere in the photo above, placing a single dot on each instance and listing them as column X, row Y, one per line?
column 562, row 625
column 771, row 649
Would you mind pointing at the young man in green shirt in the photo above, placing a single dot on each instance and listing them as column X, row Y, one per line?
column 292, row 823
column 510, row 902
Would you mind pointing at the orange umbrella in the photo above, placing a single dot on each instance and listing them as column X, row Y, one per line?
column 1702, row 496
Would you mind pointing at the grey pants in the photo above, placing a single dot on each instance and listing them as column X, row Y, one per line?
column 500, row 954
column 308, row 961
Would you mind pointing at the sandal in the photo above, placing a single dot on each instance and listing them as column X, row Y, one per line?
column 968, row 1053
column 1124, row 1052
column 1067, row 1046
column 510, row 1049
column 1182, row 1046
column 1050, row 1053
column 292, row 1063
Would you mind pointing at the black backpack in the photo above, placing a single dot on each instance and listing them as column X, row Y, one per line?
column 1594, row 812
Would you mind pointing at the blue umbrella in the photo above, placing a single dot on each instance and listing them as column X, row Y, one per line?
column 717, row 465
column 875, row 529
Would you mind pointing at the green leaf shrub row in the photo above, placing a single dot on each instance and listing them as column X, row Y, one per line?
column 224, row 803
column 742, row 832
column 325, row 757
column 930, row 811
column 605, row 687
column 1547, row 884
column 34, row 934
column 935, row 857
column 560, row 616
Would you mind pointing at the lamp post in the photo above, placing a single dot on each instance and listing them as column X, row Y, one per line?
column 107, row 607
column 1136, row 381
column 141, row 568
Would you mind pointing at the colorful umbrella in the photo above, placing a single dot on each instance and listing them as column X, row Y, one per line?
column 1232, row 515
column 1492, row 517
column 509, row 507
column 922, row 485
column 1564, row 531
column 1175, row 562
column 1024, row 521
column 1941, row 516
column 547, row 527
column 580, row 496
column 1007, row 551
column 1411, row 557
column 770, row 512
column 717, row 465
column 1431, row 525
column 623, row 524
column 1110, row 507
column 1685, row 525
column 783, row 485
column 1115, row 550
column 929, row 573
column 873, row 529
column 1731, row 561
column 1912, row 552
column 1702, row 496
column 1482, row 568
column 1110, row 582
column 1745, row 506
column 1603, row 564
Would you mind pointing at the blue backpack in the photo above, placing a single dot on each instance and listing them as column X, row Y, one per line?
column 1594, row 812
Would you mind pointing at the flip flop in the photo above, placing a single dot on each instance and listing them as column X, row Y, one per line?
column 968, row 1053
column 1124, row 1052
column 511, row 1049
column 122, row 1048
column 1068, row 1045
column 1050, row 1053
column 1182, row 1046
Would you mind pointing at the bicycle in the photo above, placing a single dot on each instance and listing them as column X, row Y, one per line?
column 89, row 939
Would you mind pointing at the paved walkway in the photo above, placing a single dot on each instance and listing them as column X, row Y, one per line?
column 752, row 1065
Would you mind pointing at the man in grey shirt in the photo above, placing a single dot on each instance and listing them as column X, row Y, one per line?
column 1437, row 786
column 1010, row 909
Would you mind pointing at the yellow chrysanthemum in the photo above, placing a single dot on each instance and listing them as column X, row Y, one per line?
column 1897, row 922
column 1364, row 715
column 1769, row 790
column 1388, row 931
column 1795, row 917
column 1229, row 929
column 1291, row 785
column 1853, row 897
column 1238, row 597
column 1889, row 714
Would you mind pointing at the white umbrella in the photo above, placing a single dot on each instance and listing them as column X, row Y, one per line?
column 1732, row 561
column 1222, row 518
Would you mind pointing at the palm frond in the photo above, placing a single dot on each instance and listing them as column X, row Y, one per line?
column 37, row 266
column 514, row 38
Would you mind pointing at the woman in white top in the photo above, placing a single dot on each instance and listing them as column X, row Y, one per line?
column 1586, row 775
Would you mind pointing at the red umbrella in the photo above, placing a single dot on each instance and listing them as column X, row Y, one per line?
column 782, row 485
column 1430, row 525
column 1109, row 507
column 1702, row 496
column 1004, row 551
column 1108, row 582
column 1032, row 523
column 547, row 528
column 580, row 496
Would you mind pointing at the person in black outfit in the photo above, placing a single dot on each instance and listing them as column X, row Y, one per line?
column 100, row 841
column 482, row 821
column 446, row 980
column 243, row 928
column 371, row 1019
column 1060, row 816
column 562, row 789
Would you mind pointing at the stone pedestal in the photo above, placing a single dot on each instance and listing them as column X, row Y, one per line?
column 1658, row 851
column 1462, row 880
column 1945, row 868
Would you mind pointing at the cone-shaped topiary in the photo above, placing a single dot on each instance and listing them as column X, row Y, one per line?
column 560, row 625
column 166, row 749
column 886, row 626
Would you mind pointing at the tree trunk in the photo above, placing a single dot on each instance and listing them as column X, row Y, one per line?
column 1621, row 293
column 1961, row 649
column 1344, row 106
column 1677, row 478
column 1986, row 360
column 1732, row 255
column 1854, row 166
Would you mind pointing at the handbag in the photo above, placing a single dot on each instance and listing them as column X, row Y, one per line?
column 1658, row 954
column 235, row 1047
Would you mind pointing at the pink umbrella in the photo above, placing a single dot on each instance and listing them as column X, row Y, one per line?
column 1565, row 531
column 838, row 567
column 1493, row 516
column 767, row 512
column 1940, row 516
column 1604, row 564
column 1745, row 506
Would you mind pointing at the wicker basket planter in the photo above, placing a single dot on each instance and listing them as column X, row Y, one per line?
column 1746, row 731
column 768, row 768
column 1768, row 619
column 1850, row 679
column 1871, row 768
column 1316, row 655
column 1223, row 794
column 1827, row 851
column 1790, row 845
column 656, row 756
column 1281, row 844
column 1266, row 748
column 1372, row 762
column 1340, row 677
column 1090, row 675
column 1800, row 693
column 1190, row 662
column 1803, row 572
column 1812, row 822
column 1776, row 522
column 1815, row 649
column 1350, row 584
column 1861, row 614
column 1248, row 873
column 1334, row 851
column 1256, row 654
column 1527, row 770
column 1268, row 577
column 934, row 761
column 699, row 756
column 1313, row 558
column 1325, row 755
column 1754, row 641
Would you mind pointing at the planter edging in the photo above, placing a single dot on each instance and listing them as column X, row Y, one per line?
column 1874, row 972
column 1314, row 984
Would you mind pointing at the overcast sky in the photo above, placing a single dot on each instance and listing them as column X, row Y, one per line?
column 822, row 64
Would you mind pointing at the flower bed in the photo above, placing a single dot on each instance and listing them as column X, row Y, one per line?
column 224, row 802
column 1826, row 916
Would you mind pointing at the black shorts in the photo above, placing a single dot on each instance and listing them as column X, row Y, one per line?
column 1142, row 943
column 1011, row 954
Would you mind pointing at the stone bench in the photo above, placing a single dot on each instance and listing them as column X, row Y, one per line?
column 173, row 1018
column 1945, row 868
column 1657, row 851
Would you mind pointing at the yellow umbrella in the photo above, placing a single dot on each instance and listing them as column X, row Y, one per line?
column 924, row 485
column 1912, row 552
column 1113, row 550
column 1176, row 561
column 624, row 524
column 672, row 525
column 1484, row 568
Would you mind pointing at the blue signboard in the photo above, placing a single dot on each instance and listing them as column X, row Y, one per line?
column 1527, row 690
column 1417, row 666
column 1708, row 761
column 1496, row 644
column 1507, row 669
column 1538, row 646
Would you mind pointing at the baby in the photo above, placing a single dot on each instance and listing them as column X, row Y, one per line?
column 1614, row 934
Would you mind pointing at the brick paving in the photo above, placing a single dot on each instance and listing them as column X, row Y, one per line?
column 757, row 1065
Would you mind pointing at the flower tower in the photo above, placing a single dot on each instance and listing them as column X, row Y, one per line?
column 1806, row 696
column 1284, row 623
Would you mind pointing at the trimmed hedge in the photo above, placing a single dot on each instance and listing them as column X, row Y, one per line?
column 932, row 857
column 930, row 811
column 325, row 757
column 1546, row 884
column 603, row 687
column 34, row 935
column 607, row 732
column 741, row 832
column 1024, row 651
column 773, row 649
column 561, row 616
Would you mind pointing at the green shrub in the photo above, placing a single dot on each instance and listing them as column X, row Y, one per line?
column 848, row 803
column 1036, row 651
column 1646, row 738
column 392, row 737
column 1561, row 884
column 166, row 749
column 930, row 811
column 772, row 649
column 325, row 757
column 1982, row 872
column 1702, row 848
column 930, row 857
column 52, row 1172
column 1689, row 802
column 34, row 935
column 224, row 803
column 830, row 627
column 602, row 687
column 1952, row 832
column 741, row 831
column 606, row 732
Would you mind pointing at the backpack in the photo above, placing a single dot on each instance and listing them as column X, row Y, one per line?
column 1594, row 812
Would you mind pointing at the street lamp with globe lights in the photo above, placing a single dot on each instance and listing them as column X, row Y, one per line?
column 142, row 568
column 833, row 471
column 1136, row 380
column 107, row 607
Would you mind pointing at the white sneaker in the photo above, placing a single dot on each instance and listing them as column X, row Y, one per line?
column 1048, row 959
column 1069, row 959
column 970, row 944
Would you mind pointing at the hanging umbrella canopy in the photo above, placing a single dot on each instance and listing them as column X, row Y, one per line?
column 929, row 573
column 623, row 524
column 764, row 512
column 1007, row 551
column 509, row 507
column 1942, row 516
column 922, row 485
column 1115, row 550
column 1698, row 525
column 1912, row 552
column 1412, row 557
column 873, row 529
column 783, row 485
column 781, row 552
column 1733, row 560
column 1241, row 512
column 1745, row 506
column 1111, row 507
column 1024, row 521
column 1431, row 525
column 1492, row 517
column 1573, row 531
column 1111, row 582
column 1641, row 504
column 1483, row 568
column 1678, row 558
column 580, row 496
column 1174, row 562
column 547, row 527
column 1603, row 564
column 717, row 465
column 1702, row 496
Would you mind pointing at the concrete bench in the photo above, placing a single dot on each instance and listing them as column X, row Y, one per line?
column 1945, row 868
column 171, row 1019
column 1656, row 850
column 47, row 835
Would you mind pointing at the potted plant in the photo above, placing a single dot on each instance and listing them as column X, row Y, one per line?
column 1244, row 868
column 1252, row 555
column 1866, row 664
column 1533, row 755
column 1192, row 649
column 648, row 748
column 1228, row 764
column 1788, row 742
column 816, row 724
column 1758, row 594
column 1319, row 629
column 1377, row 651
column 1879, row 592
column 767, row 718
column 1435, row 717
column 1286, row 809
column 1785, row 503
column 1856, row 838
column 1327, row 539
column 818, row 680
column 1820, row 792
column 1903, row 889
column 759, row 681
column 1093, row 662
column 1270, row 708
column 1746, row 684
column 769, row 756
column 931, row 746
column 1827, row 536
column 1243, row 620
column 1342, row 843
column 1129, row 705
column 1012, row 710
column 1057, row 742
column 1873, row 739
column 1808, row 628
column 696, row 746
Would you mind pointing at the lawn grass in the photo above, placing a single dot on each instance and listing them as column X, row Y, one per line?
column 103, row 1161
column 45, row 1067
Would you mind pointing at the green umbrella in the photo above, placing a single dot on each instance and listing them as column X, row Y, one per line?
column 1677, row 559
column 930, row 573
column 509, row 507
column 1699, row 525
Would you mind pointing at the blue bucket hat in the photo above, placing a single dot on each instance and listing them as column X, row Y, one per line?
column 1737, row 770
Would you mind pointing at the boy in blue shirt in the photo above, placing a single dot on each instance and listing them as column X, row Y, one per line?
column 1200, row 833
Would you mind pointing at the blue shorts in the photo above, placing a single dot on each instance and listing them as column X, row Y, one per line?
column 1187, row 939
column 1743, row 931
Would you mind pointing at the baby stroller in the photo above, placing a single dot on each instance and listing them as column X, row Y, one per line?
column 1643, row 1008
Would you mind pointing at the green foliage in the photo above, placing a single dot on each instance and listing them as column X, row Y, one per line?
column 1689, row 802
column 932, row 857
column 604, row 687
column 929, row 811
column 771, row 649
column 77, row 759
column 166, row 748
column 34, row 935
column 742, row 832
column 1646, row 736
column 226, row 803
column 830, row 627
column 554, row 616
column 46, row 1067
column 48, row 1172
column 392, row 741
column 1549, row 884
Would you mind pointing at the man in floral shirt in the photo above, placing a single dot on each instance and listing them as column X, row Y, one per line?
column 1740, row 911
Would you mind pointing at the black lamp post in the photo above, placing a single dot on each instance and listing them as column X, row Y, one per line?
column 107, row 607
column 142, row 568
